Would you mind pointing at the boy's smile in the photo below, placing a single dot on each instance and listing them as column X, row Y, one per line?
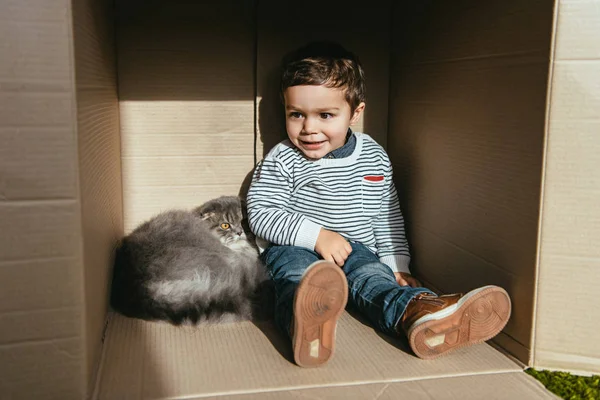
column 318, row 118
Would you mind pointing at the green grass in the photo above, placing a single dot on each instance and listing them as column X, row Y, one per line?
column 568, row 386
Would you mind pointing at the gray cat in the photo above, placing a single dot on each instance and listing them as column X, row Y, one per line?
column 196, row 266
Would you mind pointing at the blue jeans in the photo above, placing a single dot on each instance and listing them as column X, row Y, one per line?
column 372, row 286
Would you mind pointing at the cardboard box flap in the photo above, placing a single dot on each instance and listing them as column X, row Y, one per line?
column 157, row 360
column 566, row 327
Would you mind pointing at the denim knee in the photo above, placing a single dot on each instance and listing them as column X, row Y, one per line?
column 370, row 269
column 285, row 261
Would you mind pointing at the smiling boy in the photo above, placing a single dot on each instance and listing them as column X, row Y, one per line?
column 326, row 202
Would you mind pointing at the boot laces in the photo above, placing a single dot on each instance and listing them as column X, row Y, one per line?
column 431, row 299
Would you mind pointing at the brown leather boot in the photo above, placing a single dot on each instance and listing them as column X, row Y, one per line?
column 437, row 325
column 318, row 303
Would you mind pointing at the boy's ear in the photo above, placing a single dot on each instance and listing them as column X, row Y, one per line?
column 357, row 113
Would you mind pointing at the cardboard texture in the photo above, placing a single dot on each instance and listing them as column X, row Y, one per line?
column 99, row 160
column 170, row 97
column 497, row 386
column 153, row 360
column 41, row 313
column 566, row 329
column 466, row 139
column 111, row 112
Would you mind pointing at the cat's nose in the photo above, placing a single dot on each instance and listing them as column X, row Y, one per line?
column 240, row 233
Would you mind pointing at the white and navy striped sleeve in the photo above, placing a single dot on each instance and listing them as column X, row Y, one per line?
column 388, row 227
column 268, row 204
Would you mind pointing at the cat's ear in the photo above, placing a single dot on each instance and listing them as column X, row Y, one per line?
column 206, row 215
column 200, row 211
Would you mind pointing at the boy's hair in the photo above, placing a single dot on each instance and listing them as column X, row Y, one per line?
column 328, row 64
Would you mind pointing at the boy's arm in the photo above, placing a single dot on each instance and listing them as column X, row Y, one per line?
column 268, row 202
column 388, row 227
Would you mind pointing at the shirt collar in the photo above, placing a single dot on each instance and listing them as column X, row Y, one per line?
column 346, row 149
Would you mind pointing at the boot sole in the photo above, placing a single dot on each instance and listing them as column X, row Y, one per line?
column 318, row 304
column 477, row 317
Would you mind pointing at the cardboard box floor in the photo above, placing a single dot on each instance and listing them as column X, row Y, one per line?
column 143, row 360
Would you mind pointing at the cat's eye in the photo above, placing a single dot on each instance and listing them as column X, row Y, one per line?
column 225, row 226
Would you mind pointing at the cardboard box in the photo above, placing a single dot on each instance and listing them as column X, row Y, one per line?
column 112, row 112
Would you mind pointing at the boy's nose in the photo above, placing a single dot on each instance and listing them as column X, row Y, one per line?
column 309, row 126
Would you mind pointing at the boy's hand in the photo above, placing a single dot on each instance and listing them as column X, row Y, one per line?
column 333, row 247
column 405, row 279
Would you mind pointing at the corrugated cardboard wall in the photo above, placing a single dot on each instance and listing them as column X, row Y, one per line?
column 186, row 90
column 99, row 159
column 41, row 311
column 188, row 75
column 466, row 137
column 567, row 328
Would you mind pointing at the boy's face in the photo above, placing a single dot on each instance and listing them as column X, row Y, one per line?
column 317, row 118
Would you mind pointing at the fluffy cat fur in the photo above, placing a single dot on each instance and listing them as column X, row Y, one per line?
column 197, row 266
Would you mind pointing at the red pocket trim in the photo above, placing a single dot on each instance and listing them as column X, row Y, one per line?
column 374, row 178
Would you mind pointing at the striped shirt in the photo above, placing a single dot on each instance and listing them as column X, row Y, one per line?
column 291, row 198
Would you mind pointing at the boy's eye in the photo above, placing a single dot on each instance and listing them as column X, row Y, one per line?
column 295, row 114
column 225, row 226
column 326, row 115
